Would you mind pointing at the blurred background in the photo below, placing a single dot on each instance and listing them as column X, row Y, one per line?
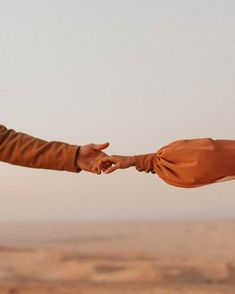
column 138, row 74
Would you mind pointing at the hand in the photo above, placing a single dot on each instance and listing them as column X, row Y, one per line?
column 120, row 162
column 90, row 156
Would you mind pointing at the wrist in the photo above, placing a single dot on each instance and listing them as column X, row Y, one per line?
column 132, row 161
column 77, row 159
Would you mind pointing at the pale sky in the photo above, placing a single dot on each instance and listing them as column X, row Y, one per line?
column 138, row 74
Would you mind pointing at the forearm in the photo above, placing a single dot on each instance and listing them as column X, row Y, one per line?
column 22, row 149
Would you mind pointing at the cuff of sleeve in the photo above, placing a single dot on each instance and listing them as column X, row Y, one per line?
column 72, row 163
column 145, row 162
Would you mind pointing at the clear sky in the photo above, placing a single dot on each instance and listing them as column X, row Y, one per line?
column 136, row 73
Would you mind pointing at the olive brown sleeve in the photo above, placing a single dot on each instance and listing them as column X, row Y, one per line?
column 25, row 150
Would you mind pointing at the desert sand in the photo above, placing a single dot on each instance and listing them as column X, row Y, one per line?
column 125, row 257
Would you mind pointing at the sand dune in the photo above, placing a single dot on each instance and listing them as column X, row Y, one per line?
column 118, row 258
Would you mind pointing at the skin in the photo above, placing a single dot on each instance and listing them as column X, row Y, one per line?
column 117, row 162
column 90, row 158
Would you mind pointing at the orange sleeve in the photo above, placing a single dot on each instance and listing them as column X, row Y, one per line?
column 192, row 163
column 22, row 149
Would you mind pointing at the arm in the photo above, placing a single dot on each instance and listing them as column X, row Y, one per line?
column 143, row 162
column 24, row 150
column 185, row 163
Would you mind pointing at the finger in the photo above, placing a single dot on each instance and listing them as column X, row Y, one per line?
column 109, row 159
column 103, row 167
column 99, row 147
column 105, row 162
column 95, row 170
column 108, row 164
column 112, row 169
column 98, row 170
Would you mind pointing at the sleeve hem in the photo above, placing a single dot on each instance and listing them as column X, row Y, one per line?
column 145, row 162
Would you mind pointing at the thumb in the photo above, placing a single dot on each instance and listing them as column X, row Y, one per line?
column 99, row 147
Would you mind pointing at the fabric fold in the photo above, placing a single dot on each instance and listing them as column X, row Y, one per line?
column 196, row 162
column 145, row 162
column 191, row 163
